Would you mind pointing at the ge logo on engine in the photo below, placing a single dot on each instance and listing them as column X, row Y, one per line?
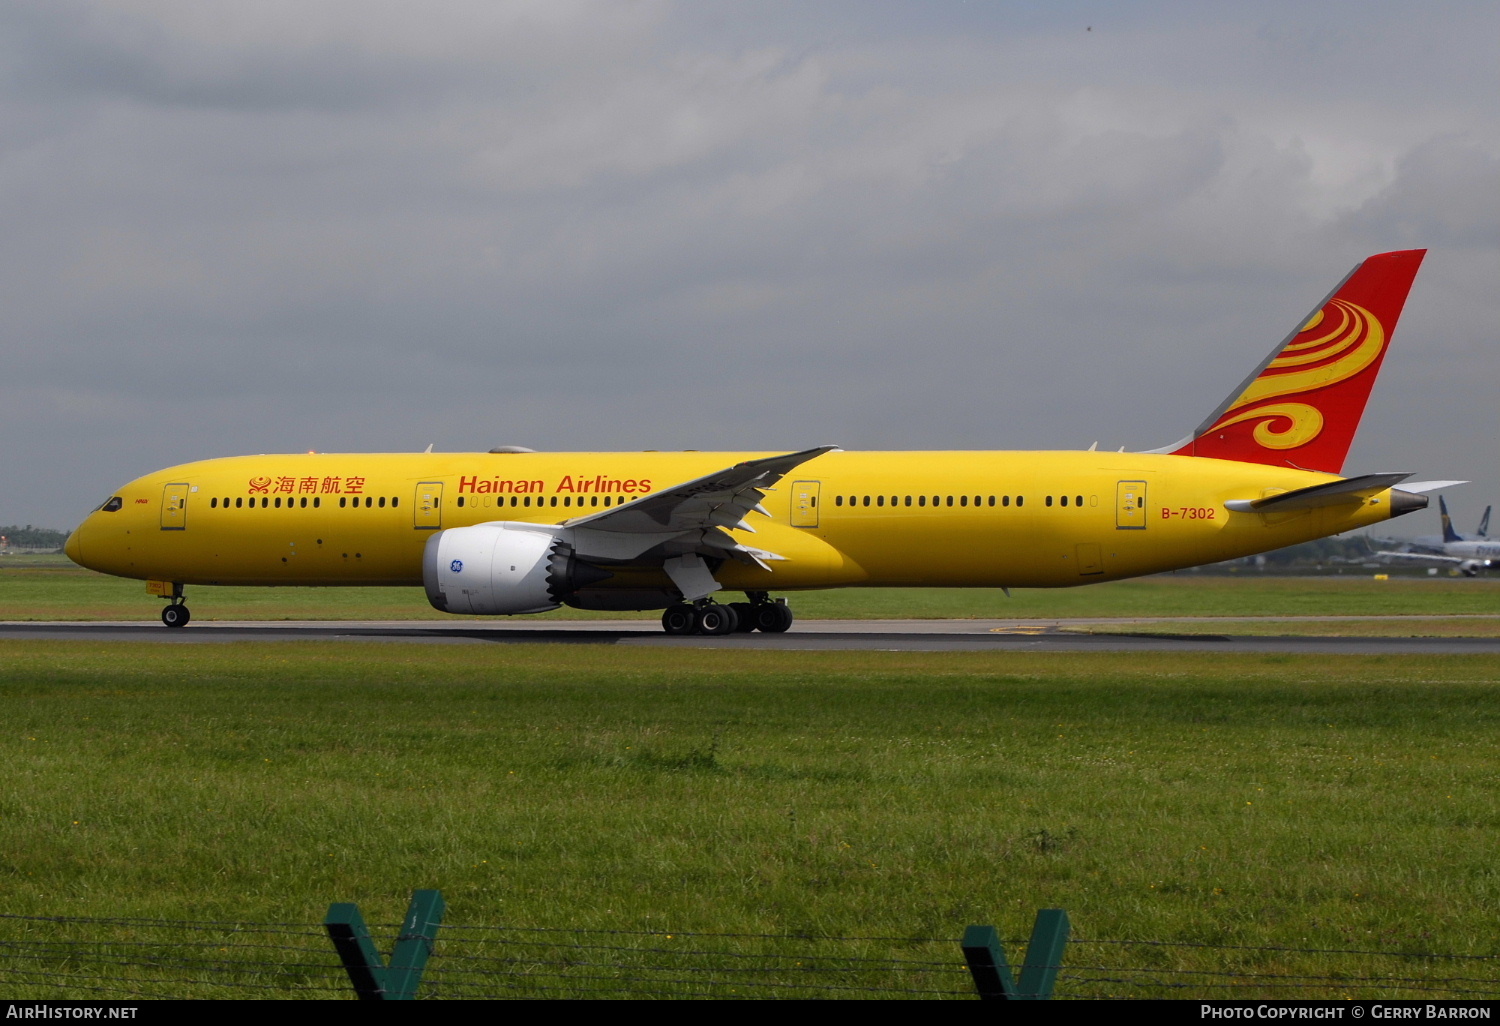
column 456, row 566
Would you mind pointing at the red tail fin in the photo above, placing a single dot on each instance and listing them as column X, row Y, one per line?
column 1301, row 408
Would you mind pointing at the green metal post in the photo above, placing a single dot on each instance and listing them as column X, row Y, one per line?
column 372, row 980
column 351, row 939
column 987, row 964
column 1049, row 936
column 991, row 971
column 415, row 944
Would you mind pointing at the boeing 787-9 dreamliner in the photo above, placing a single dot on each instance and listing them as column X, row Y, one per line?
column 514, row 531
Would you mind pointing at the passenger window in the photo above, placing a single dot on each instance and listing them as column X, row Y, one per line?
column 1078, row 500
column 213, row 503
column 950, row 500
column 369, row 501
column 302, row 502
column 866, row 500
column 317, row 501
column 1005, row 500
column 1064, row 500
column 239, row 503
column 963, row 500
column 278, row 502
column 908, row 500
column 382, row 502
column 1020, row 500
column 1049, row 500
column 880, row 500
column 460, row 502
column 343, row 501
column 554, row 501
column 921, row 500
column 395, row 502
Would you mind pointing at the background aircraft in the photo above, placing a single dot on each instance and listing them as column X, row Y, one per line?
column 1467, row 554
column 1435, row 542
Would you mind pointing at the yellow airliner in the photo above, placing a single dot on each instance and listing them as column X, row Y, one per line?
column 514, row 531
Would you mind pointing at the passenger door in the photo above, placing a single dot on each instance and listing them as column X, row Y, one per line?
column 805, row 503
column 427, row 511
column 174, row 507
column 1130, row 506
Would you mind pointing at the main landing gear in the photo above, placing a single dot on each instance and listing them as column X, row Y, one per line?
column 708, row 617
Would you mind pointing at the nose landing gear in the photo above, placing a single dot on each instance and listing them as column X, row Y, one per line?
column 175, row 613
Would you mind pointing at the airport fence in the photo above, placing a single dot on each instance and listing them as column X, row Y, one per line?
column 76, row 958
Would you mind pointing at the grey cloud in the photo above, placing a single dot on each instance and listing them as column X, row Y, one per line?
column 353, row 226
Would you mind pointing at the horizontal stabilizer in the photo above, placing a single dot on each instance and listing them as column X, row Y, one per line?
column 1423, row 487
column 1330, row 493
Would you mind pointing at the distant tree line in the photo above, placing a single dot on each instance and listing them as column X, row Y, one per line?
column 1346, row 549
column 1321, row 555
column 29, row 537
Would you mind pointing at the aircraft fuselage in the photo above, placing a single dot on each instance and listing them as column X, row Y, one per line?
column 953, row 518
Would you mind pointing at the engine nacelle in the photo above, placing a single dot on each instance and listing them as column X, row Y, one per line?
column 503, row 567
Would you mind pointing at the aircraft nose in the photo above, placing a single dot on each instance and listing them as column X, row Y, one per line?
column 73, row 548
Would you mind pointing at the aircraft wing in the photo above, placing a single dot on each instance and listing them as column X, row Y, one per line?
column 691, row 518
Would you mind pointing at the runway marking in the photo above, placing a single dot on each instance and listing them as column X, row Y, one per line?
column 1041, row 628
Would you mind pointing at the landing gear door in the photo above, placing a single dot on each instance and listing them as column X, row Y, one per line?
column 427, row 511
column 1130, row 506
column 805, row 503
column 174, row 507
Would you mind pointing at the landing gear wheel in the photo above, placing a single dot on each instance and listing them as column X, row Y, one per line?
column 773, row 617
column 678, row 619
column 745, row 616
column 176, row 615
column 712, row 618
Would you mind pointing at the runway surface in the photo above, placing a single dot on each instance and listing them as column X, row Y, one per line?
column 810, row 635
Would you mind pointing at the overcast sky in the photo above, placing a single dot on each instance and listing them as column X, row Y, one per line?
column 370, row 226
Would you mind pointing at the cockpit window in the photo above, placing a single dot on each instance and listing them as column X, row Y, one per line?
column 113, row 505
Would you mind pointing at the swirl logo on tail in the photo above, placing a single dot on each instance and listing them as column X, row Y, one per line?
column 1304, row 404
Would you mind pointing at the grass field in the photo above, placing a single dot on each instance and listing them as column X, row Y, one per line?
column 1329, row 803
column 51, row 588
